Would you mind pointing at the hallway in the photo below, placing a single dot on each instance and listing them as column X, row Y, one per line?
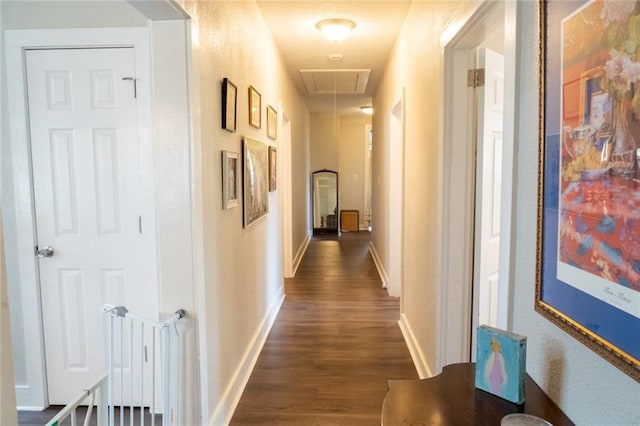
column 334, row 345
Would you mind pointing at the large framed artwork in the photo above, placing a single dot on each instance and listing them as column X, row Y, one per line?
column 255, row 180
column 588, row 256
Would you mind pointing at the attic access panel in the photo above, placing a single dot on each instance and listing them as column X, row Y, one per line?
column 346, row 82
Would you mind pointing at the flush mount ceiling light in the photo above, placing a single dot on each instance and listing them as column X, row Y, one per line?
column 335, row 29
column 367, row 109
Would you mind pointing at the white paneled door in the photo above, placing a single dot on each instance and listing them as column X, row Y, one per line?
column 90, row 217
column 489, row 178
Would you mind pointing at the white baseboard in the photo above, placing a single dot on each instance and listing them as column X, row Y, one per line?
column 226, row 407
column 419, row 361
column 379, row 266
column 30, row 408
column 300, row 254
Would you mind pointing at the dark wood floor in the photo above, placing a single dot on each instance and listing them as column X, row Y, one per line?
column 334, row 345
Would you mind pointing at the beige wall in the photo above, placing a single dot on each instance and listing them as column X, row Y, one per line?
column 325, row 135
column 416, row 65
column 243, row 279
column 351, row 162
column 338, row 145
column 300, row 184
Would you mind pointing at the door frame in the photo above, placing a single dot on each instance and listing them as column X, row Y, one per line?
column 396, row 199
column 458, row 180
column 21, row 264
column 285, row 182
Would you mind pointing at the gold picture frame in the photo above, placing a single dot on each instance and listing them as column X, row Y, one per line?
column 272, row 122
column 255, row 180
column 255, row 108
column 273, row 169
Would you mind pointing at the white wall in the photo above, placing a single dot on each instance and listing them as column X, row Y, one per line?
column 325, row 137
column 6, row 295
column 243, row 282
column 55, row 14
column 351, row 162
column 589, row 389
column 7, row 380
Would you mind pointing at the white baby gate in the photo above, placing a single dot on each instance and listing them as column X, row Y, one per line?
column 137, row 346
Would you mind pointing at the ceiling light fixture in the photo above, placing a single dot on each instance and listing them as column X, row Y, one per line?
column 335, row 29
column 367, row 109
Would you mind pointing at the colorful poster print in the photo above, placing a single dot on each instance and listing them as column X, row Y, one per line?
column 588, row 258
column 599, row 216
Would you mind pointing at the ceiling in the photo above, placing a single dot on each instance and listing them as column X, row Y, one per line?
column 353, row 77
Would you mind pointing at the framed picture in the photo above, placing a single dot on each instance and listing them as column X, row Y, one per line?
column 273, row 168
column 272, row 122
column 229, row 179
column 588, row 255
column 229, row 103
column 255, row 108
column 255, row 180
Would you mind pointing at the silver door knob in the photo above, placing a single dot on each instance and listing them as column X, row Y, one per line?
column 44, row 252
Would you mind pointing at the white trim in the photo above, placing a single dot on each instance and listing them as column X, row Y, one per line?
column 508, row 198
column 396, row 191
column 201, row 354
column 16, row 43
column 284, row 182
column 30, row 408
column 419, row 360
column 300, row 254
column 384, row 277
column 226, row 407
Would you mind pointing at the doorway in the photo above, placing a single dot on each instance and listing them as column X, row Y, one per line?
column 491, row 24
column 114, row 212
column 286, row 194
column 368, row 148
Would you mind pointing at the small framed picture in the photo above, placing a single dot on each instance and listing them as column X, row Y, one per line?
column 229, row 179
column 273, row 168
column 272, row 122
column 255, row 108
column 229, row 103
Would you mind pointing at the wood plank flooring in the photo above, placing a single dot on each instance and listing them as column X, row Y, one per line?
column 334, row 345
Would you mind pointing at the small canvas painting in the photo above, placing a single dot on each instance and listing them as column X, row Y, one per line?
column 501, row 363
